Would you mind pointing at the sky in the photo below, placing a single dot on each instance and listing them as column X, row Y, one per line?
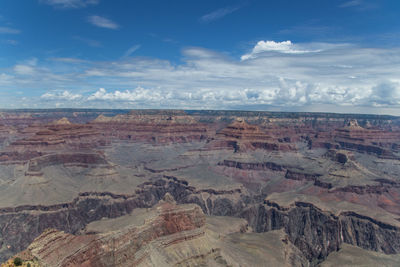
column 287, row 55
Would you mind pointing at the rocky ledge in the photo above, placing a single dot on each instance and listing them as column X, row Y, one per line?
column 129, row 246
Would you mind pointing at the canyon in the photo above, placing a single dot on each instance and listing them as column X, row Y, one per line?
column 198, row 188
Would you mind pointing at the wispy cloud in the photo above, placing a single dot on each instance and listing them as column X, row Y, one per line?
column 359, row 4
column 24, row 70
column 31, row 61
column 88, row 41
column 311, row 29
column 8, row 30
column 218, row 14
column 68, row 60
column 131, row 50
column 163, row 39
column 26, row 67
column 351, row 3
column 277, row 77
column 6, row 79
column 103, row 22
column 10, row 42
column 70, row 3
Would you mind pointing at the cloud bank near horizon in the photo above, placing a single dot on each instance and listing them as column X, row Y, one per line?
column 284, row 75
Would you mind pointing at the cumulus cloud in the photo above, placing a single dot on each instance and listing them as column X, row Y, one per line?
column 64, row 95
column 103, row 22
column 70, row 3
column 157, row 97
column 138, row 94
column 338, row 75
column 218, row 14
column 387, row 93
column 286, row 47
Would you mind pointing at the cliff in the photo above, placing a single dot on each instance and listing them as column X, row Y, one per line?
column 295, row 188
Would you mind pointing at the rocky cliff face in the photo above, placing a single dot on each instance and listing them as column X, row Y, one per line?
column 165, row 235
column 310, row 184
column 20, row 225
column 36, row 141
column 129, row 246
column 171, row 127
column 317, row 233
column 241, row 137
column 364, row 140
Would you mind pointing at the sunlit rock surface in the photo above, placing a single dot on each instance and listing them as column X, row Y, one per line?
column 192, row 188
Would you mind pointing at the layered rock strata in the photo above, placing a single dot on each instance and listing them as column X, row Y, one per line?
column 241, row 137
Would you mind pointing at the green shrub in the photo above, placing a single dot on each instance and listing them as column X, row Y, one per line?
column 17, row 261
column 28, row 265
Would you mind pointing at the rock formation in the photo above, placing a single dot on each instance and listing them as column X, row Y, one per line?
column 356, row 138
column 197, row 187
column 242, row 137
column 167, row 224
column 167, row 127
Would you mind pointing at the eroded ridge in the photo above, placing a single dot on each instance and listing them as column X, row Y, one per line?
column 302, row 188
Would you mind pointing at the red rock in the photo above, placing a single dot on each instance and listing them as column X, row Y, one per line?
column 119, row 248
column 242, row 136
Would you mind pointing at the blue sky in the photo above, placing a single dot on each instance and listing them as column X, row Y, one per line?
column 310, row 55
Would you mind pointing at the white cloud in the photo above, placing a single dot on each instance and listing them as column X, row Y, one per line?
column 271, row 46
column 31, row 61
column 70, row 3
column 24, row 69
column 387, row 93
column 131, row 50
column 6, row 79
column 64, row 95
column 8, row 30
column 27, row 67
column 89, row 42
column 68, row 60
column 30, row 73
column 218, row 14
column 360, row 5
column 338, row 76
column 103, row 22
column 139, row 94
column 351, row 3
column 11, row 42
